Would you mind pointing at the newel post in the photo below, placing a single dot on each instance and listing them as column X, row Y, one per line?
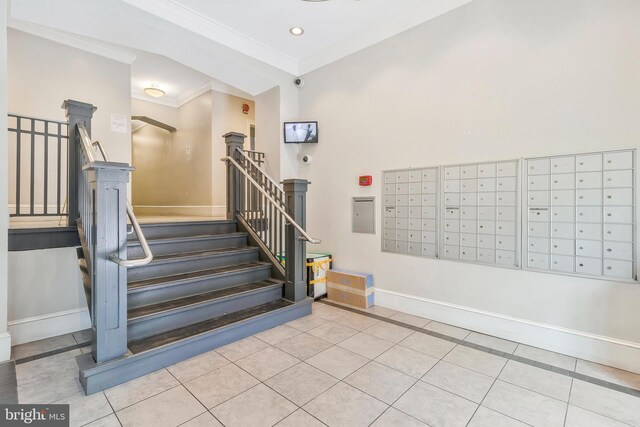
column 76, row 112
column 108, row 184
column 295, row 288
column 234, row 141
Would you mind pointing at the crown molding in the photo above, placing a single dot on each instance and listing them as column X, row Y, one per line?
column 192, row 94
column 395, row 25
column 203, row 25
column 74, row 41
column 166, row 101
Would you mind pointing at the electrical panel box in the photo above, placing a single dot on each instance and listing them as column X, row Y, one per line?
column 364, row 220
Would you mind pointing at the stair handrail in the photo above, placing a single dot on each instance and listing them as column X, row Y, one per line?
column 303, row 233
column 148, row 255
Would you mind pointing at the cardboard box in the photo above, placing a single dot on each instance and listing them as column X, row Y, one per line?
column 356, row 298
column 350, row 288
column 350, row 279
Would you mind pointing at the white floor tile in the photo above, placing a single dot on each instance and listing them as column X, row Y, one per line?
column 267, row 363
column 411, row 362
column 277, row 334
column 366, row 345
column 449, row 330
column 388, row 332
column 609, row 374
column 381, row 382
column 220, row 385
column 609, row 403
column 303, row 346
column 337, row 361
column 394, row 418
column 134, row 391
column 578, row 417
column 536, row 379
column 485, row 417
column 410, row 319
column 172, row 407
column 256, row 407
column 356, row 321
column 196, row 366
column 479, row 361
column 436, row 407
column 300, row 418
column 492, row 342
column 345, row 406
column 427, row 344
column 301, row 383
column 243, row 348
column 525, row 405
column 545, row 356
column 332, row 332
column 458, row 380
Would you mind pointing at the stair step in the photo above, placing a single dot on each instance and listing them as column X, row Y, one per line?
column 161, row 317
column 184, row 262
column 173, row 245
column 160, row 289
column 157, row 352
column 165, row 338
column 189, row 228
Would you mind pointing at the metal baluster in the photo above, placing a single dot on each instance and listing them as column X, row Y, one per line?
column 18, row 161
column 33, row 167
column 46, row 166
column 59, row 190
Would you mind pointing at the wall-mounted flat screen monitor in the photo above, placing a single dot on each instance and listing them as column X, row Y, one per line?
column 301, row 132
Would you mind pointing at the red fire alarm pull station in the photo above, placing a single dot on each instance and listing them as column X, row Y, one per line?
column 365, row 180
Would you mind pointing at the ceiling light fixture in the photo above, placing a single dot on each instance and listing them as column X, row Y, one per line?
column 296, row 31
column 154, row 91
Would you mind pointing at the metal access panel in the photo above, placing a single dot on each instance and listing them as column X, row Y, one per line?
column 364, row 220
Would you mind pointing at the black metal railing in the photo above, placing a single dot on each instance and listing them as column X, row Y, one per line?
column 38, row 171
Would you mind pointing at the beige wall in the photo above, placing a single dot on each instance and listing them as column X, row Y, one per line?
column 196, row 183
column 496, row 79
column 162, row 113
column 173, row 171
column 227, row 117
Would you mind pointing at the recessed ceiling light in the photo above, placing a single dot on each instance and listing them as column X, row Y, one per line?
column 154, row 90
column 296, row 31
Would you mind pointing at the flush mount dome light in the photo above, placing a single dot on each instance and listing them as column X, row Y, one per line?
column 296, row 31
column 154, row 91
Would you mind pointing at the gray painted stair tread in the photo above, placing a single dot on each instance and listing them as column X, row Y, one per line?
column 196, row 274
column 160, row 259
column 181, row 239
column 194, row 222
column 181, row 303
column 155, row 341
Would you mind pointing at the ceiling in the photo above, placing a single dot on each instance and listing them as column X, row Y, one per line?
column 180, row 83
column 244, row 43
column 333, row 28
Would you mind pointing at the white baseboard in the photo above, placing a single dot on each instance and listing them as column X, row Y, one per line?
column 595, row 348
column 5, row 347
column 48, row 325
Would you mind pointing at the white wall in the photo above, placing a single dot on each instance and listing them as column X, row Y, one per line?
column 5, row 339
column 41, row 75
column 496, row 79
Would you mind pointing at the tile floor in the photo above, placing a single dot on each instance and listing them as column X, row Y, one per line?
column 340, row 368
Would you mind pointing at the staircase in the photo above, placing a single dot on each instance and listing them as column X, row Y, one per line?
column 206, row 287
column 171, row 291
